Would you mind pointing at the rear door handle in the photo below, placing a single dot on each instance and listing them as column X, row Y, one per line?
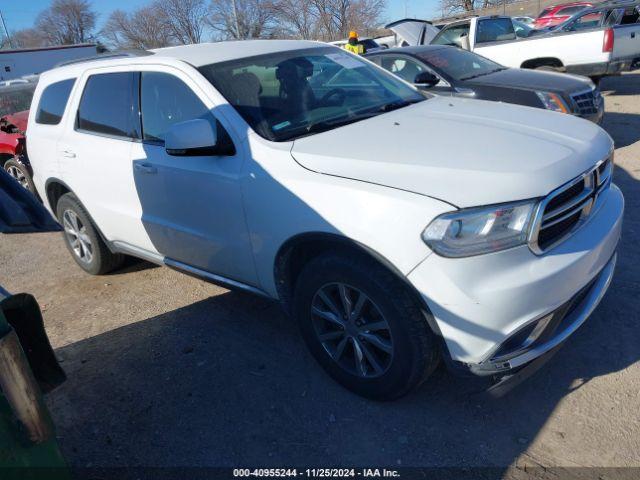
column 68, row 154
column 145, row 168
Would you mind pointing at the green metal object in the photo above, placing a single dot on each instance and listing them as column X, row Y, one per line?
column 28, row 448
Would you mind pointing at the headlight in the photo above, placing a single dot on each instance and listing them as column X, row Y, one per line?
column 552, row 101
column 475, row 231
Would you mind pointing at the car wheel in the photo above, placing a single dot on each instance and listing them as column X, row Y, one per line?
column 82, row 239
column 363, row 326
column 549, row 68
column 20, row 173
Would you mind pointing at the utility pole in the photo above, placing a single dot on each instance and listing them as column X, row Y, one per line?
column 4, row 26
column 235, row 18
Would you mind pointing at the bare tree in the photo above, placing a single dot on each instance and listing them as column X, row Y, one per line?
column 297, row 19
column 67, row 22
column 142, row 29
column 243, row 19
column 183, row 18
column 337, row 17
column 450, row 7
column 27, row 38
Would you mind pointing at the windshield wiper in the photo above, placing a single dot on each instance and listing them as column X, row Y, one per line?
column 324, row 125
column 482, row 74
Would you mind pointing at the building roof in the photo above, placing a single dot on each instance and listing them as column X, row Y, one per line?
column 43, row 49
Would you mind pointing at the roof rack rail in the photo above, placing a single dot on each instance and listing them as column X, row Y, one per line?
column 106, row 56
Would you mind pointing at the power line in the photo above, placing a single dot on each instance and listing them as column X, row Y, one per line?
column 6, row 32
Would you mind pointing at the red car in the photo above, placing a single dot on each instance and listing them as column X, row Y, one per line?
column 15, row 100
column 555, row 14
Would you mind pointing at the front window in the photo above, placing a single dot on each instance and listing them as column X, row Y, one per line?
column 452, row 35
column 287, row 95
column 459, row 64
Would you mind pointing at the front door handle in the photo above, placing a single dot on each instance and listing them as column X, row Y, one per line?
column 68, row 154
column 145, row 168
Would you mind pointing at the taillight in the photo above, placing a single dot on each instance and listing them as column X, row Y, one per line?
column 607, row 44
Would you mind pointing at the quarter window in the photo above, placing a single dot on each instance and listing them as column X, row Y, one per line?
column 109, row 105
column 53, row 102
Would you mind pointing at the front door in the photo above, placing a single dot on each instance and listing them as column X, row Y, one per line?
column 191, row 205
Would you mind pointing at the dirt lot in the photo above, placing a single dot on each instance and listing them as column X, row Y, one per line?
column 165, row 370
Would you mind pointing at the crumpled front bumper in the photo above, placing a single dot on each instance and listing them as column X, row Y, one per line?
column 480, row 303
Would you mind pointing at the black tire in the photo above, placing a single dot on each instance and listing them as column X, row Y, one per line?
column 550, row 68
column 415, row 352
column 100, row 260
column 596, row 80
column 13, row 167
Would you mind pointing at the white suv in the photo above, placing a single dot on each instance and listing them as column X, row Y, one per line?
column 398, row 229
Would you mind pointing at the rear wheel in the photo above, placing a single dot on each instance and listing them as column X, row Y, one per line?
column 20, row 174
column 82, row 239
column 550, row 68
column 363, row 327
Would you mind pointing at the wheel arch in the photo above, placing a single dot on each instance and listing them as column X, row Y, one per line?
column 55, row 189
column 300, row 249
column 542, row 62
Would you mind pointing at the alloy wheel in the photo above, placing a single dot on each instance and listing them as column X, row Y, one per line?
column 77, row 236
column 18, row 175
column 352, row 330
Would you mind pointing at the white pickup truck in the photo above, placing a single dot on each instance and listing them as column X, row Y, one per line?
column 595, row 42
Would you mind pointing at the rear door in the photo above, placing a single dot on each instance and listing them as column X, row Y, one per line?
column 626, row 45
column 95, row 153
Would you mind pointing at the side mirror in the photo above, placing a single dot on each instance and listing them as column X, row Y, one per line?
column 191, row 138
column 426, row 79
column 464, row 41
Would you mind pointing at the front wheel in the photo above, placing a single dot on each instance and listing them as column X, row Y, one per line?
column 20, row 174
column 363, row 327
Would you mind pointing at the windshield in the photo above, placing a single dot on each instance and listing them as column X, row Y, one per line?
column 16, row 98
column 287, row 95
column 459, row 64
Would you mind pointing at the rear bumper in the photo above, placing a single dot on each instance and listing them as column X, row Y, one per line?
column 605, row 68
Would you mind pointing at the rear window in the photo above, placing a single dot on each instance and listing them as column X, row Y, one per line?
column 495, row 30
column 109, row 105
column 53, row 102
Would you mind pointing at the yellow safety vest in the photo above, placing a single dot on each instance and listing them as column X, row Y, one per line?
column 357, row 49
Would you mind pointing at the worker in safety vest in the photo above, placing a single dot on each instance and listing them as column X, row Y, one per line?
column 354, row 45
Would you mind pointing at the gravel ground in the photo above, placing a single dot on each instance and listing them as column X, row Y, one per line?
column 165, row 370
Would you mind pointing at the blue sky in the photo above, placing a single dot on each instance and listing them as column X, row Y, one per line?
column 21, row 13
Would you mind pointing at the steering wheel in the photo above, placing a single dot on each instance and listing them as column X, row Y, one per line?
column 340, row 93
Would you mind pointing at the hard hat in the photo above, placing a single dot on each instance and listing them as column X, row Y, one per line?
column 353, row 34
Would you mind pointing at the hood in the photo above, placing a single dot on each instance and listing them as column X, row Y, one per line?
column 464, row 152
column 19, row 120
column 533, row 80
column 414, row 32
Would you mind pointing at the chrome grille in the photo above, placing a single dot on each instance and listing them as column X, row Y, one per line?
column 587, row 103
column 568, row 207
